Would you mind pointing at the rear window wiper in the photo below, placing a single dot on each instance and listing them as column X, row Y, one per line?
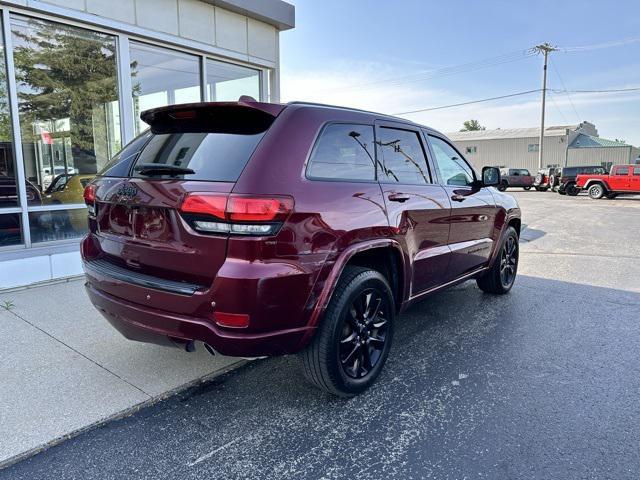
column 159, row 168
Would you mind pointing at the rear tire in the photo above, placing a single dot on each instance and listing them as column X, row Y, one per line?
column 352, row 342
column 571, row 189
column 596, row 191
column 503, row 186
column 501, row 276
column 527, row 188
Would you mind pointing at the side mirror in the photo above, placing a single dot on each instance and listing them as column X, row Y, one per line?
column 490, row 176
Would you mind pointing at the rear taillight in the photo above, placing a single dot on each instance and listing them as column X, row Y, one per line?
column 236, row 214
column 90, row 197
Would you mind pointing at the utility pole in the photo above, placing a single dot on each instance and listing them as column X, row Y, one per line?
column 545, row 49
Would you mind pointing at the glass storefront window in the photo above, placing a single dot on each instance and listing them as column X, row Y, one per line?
column 54, row 225
column 68, row 106
column 10, row 231
column 8, row 184
column 227, row 82
column 159, row 77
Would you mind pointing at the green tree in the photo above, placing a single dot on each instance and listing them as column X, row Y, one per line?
column 471, row 125
column 65, row 72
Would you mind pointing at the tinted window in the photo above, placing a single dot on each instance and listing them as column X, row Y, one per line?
column 636, row 170
column 120, row 165
column 622, row 171
column 403, row 159
column 452, row 169
column 218, row 157
column 343, row 151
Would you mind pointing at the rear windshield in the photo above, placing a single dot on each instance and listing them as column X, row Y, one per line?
column 217, row 157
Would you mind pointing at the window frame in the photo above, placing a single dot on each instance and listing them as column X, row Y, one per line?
column 316, row 142
column 429, row 134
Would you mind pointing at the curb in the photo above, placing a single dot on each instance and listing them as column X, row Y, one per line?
column 121, row 414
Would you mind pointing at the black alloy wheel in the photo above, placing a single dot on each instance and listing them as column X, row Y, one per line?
column 364, row 334
column 352, row 342
column 509, row 262
column 501, row 276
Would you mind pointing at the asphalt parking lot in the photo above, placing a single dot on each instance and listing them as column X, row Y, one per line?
column 541, row 383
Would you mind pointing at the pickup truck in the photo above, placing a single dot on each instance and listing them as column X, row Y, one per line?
column 621, row 179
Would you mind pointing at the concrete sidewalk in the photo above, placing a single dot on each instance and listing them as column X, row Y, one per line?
column 65, row 369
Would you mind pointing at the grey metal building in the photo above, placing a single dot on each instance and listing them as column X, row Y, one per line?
column 564, row 145
column 74, row 76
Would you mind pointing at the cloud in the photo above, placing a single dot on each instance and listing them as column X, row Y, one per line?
column 338, row 84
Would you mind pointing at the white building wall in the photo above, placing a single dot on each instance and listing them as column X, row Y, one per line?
column 189, row 19
column 596, row 156
column 513, row 152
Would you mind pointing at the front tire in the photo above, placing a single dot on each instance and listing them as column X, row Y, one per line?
column 352, row 342
column 501, row 276
column 596, row 191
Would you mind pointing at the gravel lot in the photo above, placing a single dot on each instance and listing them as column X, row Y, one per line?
column 541, row 383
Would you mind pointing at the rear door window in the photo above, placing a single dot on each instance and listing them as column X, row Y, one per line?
column 343, row 152
column 217, row 157
column 403, row 158
column 622, row 171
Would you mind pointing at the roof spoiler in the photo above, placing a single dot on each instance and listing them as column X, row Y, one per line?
column 244, row 117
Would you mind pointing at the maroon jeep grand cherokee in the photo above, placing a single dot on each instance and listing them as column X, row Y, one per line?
column 263, row 229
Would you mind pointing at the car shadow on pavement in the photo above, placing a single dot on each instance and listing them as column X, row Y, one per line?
column 540, row 383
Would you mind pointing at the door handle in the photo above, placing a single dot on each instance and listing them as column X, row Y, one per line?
column 458, row 198
column 398, row 197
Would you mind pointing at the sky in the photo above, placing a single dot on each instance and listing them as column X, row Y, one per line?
column 397, row 56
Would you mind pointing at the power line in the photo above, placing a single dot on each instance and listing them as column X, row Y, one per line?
column 555, row 69
column 598, row 46
column 611, row 90
column 469, row 103
column 558, row 91
column 444, row 71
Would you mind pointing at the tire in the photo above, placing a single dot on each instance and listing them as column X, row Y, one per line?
column 503, row 186
column 562, row 192
column 538, row 189
column 543, row 189
column 527, row 188
column 351, row 334
column 596, row 191
column 571, row 189
column 501, row 276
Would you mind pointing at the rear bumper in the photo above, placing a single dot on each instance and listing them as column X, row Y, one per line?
column 145, row 324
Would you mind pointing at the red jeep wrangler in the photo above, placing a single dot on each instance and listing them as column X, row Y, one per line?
column 621, row 179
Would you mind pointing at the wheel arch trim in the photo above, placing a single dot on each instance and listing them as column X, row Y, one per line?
column 336, row 271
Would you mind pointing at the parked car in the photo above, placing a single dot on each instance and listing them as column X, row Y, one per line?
column 542, row 179
column 623, row 179
column 264, row 229
column 565, row 177
column 515, row 177
column 67, row 188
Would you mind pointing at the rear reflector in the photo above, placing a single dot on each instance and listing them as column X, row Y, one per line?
column 231, row 320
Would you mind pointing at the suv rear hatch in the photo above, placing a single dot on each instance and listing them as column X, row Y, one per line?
column 139, row 224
